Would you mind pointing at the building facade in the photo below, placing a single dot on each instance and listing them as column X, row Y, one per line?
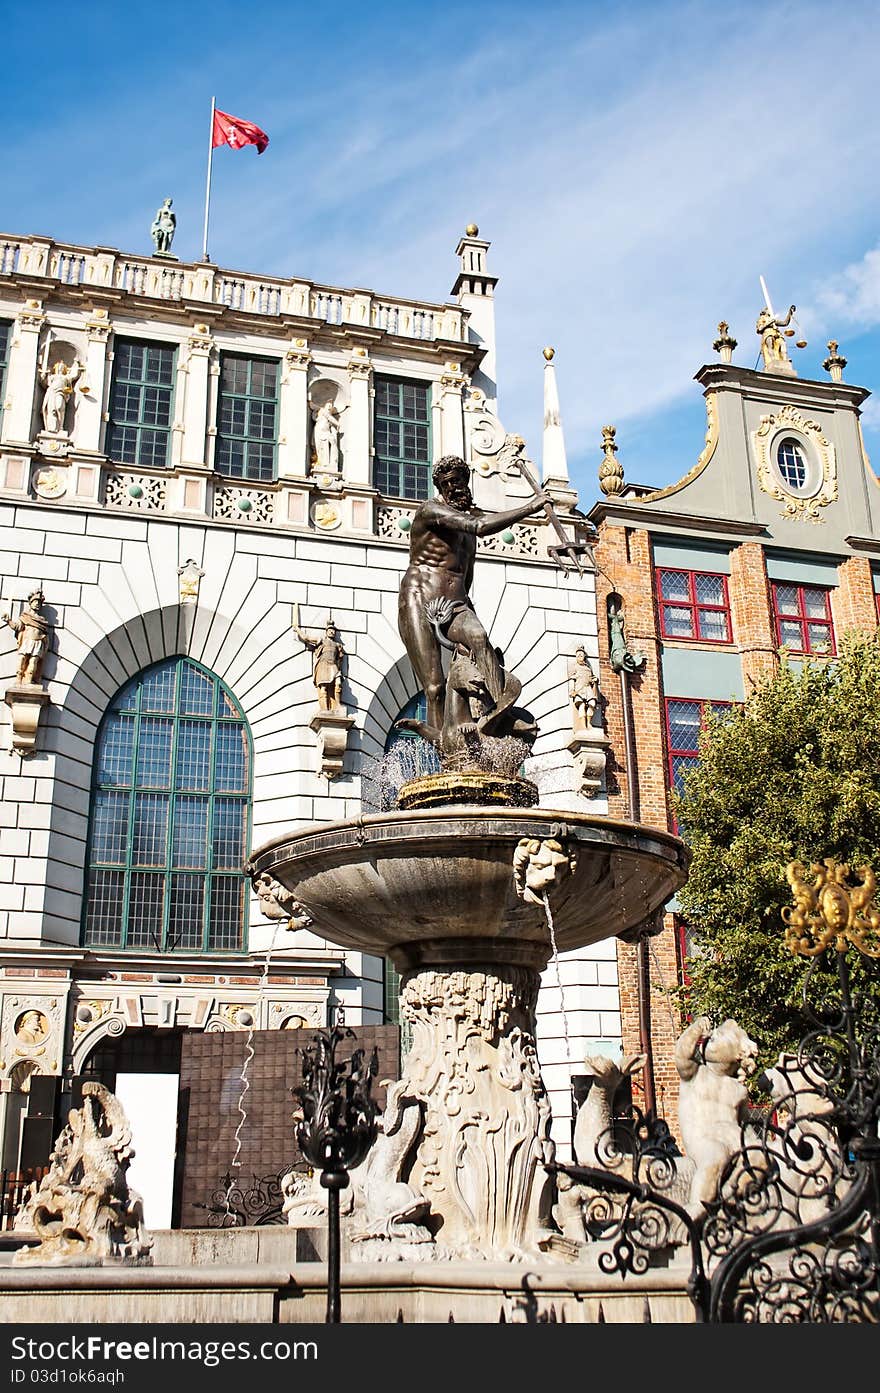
column 770, row 541
column 206, row 484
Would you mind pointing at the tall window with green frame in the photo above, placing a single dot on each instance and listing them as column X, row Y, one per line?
column 247, row 417
column 5, row 328
column 170, row 807
column 141, row 403
column 402, row 438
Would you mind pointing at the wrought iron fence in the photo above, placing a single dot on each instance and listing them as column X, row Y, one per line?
column 242, row 1203
column 793, row 1232
column 14, row 1186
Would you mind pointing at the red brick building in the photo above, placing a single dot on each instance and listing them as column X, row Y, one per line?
column 772, row 538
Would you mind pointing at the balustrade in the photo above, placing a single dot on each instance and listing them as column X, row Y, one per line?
column 82, row 266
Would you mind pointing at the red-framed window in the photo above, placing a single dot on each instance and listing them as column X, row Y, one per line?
column 694, row 605
column 803, row 618
column 685, row 718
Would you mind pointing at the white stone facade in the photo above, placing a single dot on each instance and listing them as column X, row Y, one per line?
column 108, row 543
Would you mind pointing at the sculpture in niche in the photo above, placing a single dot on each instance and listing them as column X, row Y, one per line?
column 32, row 631
column 82, row 1210
column 325, row 437
column 435, row 608
column 583, row 690
column 163, row 228
column 327, row 665
column 58, row 381
column 773, row 349
column 620, row 656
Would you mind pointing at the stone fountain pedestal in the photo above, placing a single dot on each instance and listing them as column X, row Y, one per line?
column 461, row 900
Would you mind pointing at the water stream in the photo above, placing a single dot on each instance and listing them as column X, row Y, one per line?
column 555, row 961
column 244, row 1078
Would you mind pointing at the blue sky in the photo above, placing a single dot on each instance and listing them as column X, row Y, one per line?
column 636, row 167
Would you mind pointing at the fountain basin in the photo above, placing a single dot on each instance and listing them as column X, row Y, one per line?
column 438, row 886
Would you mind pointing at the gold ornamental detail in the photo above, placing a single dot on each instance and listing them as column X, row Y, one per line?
column 829, row 912
column 708, row 450
column 788, row 418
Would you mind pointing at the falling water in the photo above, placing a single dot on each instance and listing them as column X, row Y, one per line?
column 555, row 959
column 412, row 758
column 245, row 1069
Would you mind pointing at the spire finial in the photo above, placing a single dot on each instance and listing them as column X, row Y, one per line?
column 611, row 480
column 835, row 362
column 554, row 462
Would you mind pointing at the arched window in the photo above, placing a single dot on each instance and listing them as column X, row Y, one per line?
column 169, row 818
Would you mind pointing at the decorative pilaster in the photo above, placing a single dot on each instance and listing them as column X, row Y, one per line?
column 293, row 413
column 21, row 373
column 90, row 403
column 358, row 436
column 451, row 436
column 195, row 411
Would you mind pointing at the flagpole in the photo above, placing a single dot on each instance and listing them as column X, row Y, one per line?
column 205, row 256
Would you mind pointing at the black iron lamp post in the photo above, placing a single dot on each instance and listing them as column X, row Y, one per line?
column 335, row 1128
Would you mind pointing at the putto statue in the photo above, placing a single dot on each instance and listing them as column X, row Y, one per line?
column 58, row 382
column 163, row 228
column 435, row 611
column 327, row 665
column 32, row 631
column 83, row 1211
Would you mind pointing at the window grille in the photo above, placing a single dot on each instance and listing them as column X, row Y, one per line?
column 247, row 418
column 169, row 815
column 141, row 403
column 402, row 438
column 694, row 605
column 803, row 619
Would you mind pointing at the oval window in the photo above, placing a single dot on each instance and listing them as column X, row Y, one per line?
column 793, row 465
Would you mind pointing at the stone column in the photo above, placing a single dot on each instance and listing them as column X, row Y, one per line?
column 90, row 404
column 357, row 463
column 473, row 1067
column 195, row 409
column 293, row 413
column 21, row 374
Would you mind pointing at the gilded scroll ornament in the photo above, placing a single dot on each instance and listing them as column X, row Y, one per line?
column 788, row 418
column 829, row 912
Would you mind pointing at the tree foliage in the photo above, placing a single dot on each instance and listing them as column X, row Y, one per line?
column 793, row 774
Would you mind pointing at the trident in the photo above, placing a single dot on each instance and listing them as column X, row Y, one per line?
column 568, row 554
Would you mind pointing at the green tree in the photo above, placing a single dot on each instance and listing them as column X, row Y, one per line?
column 793, row 774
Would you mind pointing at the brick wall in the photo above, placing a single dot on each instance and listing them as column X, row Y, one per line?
column 624, row 555
column 210, row 1089
column 853, row 603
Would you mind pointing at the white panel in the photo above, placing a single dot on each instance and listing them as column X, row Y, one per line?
column 150, row 1103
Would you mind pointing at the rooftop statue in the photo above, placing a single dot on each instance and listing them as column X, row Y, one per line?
column 162, row 230
column 773, row 349
column 435, row 611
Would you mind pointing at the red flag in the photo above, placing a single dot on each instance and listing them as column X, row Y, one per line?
column 229, row 130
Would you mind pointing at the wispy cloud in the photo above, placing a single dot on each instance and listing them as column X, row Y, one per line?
column 636, row 167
